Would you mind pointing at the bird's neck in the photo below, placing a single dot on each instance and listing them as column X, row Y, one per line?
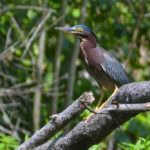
column 88, row 44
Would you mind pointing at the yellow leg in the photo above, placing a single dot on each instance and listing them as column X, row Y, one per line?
column 98, row 107
column 101, row 99
column 116, row 89
column 98, row 104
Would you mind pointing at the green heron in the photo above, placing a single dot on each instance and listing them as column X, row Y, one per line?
column 102, row 65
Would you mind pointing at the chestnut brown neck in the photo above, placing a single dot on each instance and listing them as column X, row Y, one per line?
column 88, row 43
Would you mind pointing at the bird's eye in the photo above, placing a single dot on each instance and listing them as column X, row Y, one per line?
column 80, row 29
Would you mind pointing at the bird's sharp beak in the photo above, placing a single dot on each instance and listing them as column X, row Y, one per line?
column 68, row 29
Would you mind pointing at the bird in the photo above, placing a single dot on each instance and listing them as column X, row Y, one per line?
column 101, row 64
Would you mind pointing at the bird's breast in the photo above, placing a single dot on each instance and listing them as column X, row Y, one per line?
column 91, row 56
column 84, row 56
column 93, row 60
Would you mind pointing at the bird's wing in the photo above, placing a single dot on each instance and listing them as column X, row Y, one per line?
column 114, row 69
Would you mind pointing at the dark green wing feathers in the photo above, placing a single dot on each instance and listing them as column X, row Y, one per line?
column 114, row 69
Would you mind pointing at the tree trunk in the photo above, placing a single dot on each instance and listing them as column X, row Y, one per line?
column 72, row 67
column 37, row 98
column 57, row 63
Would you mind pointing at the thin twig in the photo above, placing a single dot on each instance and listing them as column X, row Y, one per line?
column 4, row 130
column 10, row 105
column 24, row 7
column 17, row 25
column 53, row 24
column 132, row 8
column 35, row 8
column 39, row 27
column 8, row 39
column 8, row 50
column 135, row 33
column 119, row 108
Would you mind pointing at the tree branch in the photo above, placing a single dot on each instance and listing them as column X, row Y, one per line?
column 58, row 122
column 39, row 27
column 94, row 130
column 90, row 132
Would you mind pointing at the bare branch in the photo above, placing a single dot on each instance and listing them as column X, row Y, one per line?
column 10, row 49
column 17, row 25
column 147, row 15
column 35, row 8
column 8, row 39
column 53, row 24
column 10, row 105
column 39, row 27
column 90, row 132
column 24, row 7
column 135, row 32
column 58, row 121
column 4, row 130
column 132, row 8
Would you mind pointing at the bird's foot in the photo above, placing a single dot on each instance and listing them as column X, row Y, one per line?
column 94, row 112
column 98, row 108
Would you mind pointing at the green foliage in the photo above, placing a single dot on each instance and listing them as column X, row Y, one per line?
column 76, row 12
column 26, row 137
column 113, row 21
column 57, row 135
column 8, row 142
column 85, row 114
column 141, row 144
column 99, row 146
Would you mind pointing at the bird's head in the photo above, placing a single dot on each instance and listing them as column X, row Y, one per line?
column 82, row 31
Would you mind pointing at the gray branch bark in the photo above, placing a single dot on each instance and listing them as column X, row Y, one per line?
column 57, row 123
column 93, row 131
column 133, row 98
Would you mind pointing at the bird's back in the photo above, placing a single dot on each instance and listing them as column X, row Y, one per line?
column 114, row 68
column 104, row 67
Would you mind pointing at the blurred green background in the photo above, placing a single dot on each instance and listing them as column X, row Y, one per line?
column 41, row 72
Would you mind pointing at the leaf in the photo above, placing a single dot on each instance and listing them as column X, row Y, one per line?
column 31, row 14
column 76, row 12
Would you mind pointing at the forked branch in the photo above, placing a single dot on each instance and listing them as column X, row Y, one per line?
column 133, row 98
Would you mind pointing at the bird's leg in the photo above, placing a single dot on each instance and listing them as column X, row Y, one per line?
column 101, row 99
column 116, row 89
column 98, row 105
